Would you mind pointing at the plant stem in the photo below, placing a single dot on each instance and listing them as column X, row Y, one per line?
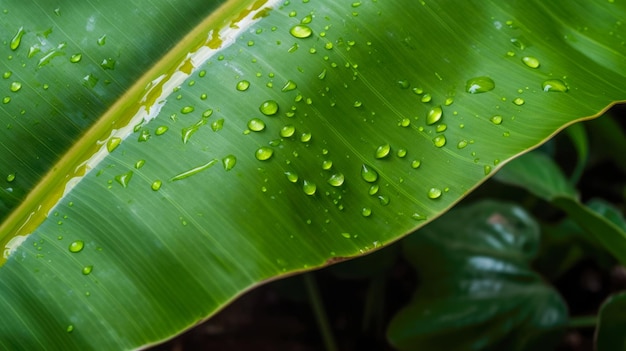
column 583, row 322
column 320, row 313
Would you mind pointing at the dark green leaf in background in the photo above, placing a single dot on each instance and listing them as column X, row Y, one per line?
column 478, row 291
column 610, row 335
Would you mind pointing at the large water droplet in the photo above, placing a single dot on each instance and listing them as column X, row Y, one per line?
column 439, row 140
column 309, row 188
column 156, row 185
column 289, row 86
column 301, row 31
column 291, row 176
column 17, row 39
column 434, row 115
column 269, row 107
column 124, row 178
column 369, row 174
column 530, row 61
column 229, row 162
column 287, row 131
column 187, row 109
column 113, row 143
column 256, row 125
column 15, row 86
column 76, row 58
column 76, row 246
column 336, row 179
column 479, row 85
column 382, row 151
column 243, row 85
column 496, row 119
column 434, row 193
column 519, row 101
column 264, row 153
column 554, row 85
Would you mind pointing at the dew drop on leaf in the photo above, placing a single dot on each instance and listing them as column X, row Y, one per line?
column 382, row 151
column 519, row 101
column 87, row 270
column 113, row 143
column 76, row 246
column 369, row 174
column 366, row 211
column 124, row 178
column 336, row 179
column 309, row 188
column 15, row 87
column 439, row 140
column 434, row 193
column 243, row 85
column 291, row 176
column 479, row 85
column 156, row 185
column 269, row 107
column 496, row 119
column 530, row 61
column 287, row 131
column 17, row 39
column 229, row 162
column 76, row 58
column 301, row 31
column 263, row 153
column 554, row 85
column 187, row 109
column 256, row 125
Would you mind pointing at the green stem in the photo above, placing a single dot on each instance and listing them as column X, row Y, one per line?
column 320, row 313
column 583, row 322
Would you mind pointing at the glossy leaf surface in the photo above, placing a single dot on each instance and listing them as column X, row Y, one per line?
column 478, row 291
column 271, row 138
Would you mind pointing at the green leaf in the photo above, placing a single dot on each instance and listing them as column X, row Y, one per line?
column 159, row 152
column 538, row 174
column 610, row 332
column 478, row 291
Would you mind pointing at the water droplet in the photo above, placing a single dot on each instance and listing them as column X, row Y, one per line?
column 256, row 125
column 416, row 164
column 554, row 85
column 287, row 131
column 479, row 85
column 11, row 177
column 309, row 188
column 156, row 185
column 291, row 176
column 373, row 190
column 187, row 109
column 346, row 235
column 161, row 130
column 269, row 107
column 441, row 128
column 289, row 86
column 102, row 40
column 243, row 85
column 369, row 174
column 301, row 31
column 76, row 246
column 15, row 86
column 90, row 80
column 384, row 200
column 70, row 328
column 449, row 101
column 462, row 144
column 419, row 217
column 7, row 74
column 405, row 122
column 327, row 164
column 426, row 98
column 366, row 211
column 487, row 169
column 336, row 179
column 76, row 58
column 382, row 151
column 305, row 137
column 434, row 193
column 434, row 115
column 229, row 162
column 404, row 84
column 217, row 125
column 530, row 61
column 401, row 153
column 113, row 143
column 518, row 101
column 496, row 119
column 439, row 140
column 124, row 178
column 17, row 39
column 87, row 270
column 195, row 170
column 357, row 104
column 144, row 136
column 108, row 63
column 264, row 153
